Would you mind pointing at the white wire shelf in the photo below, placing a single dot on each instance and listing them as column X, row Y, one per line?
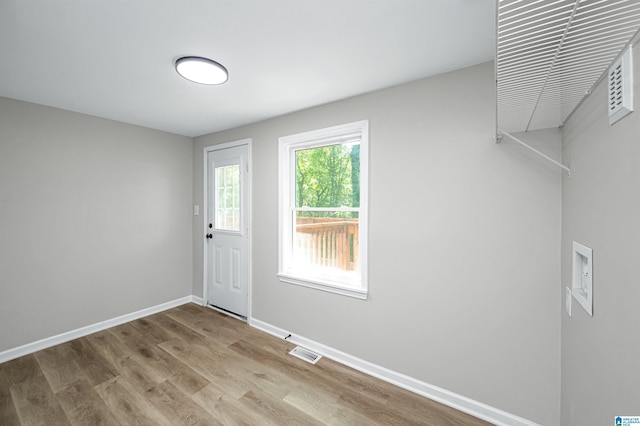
column 550, row 54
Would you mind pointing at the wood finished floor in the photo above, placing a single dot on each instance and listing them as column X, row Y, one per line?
column 193, row 366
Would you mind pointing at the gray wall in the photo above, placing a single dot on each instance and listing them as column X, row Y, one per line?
column 464, row 245
column 600, row 209
column 95, row 220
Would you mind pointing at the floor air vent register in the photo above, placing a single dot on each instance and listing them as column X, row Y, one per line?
column 305, row 354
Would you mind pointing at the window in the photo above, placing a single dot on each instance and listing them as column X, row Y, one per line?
column 323, row 209
column 227, row 209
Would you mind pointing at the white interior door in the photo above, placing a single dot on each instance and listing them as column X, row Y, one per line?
column 227, row 229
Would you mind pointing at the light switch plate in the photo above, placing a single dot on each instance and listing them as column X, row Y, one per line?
column 196, row 210
column 567, row 300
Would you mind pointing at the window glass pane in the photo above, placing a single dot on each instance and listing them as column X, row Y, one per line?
column 326, row 239
column 228, row 198
column 328, row 176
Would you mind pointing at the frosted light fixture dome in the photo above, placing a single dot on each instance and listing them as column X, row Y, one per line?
column 201, row 70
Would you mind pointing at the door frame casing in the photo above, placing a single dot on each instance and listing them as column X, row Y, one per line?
column 248, row 217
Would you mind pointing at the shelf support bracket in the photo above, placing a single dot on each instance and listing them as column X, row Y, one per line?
column 501, row 132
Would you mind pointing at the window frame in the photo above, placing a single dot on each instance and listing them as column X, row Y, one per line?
column 287, row 146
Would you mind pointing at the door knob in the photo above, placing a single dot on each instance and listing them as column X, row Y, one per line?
column 209, row 236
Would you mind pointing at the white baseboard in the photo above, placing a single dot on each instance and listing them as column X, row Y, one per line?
column 30, row 348
column 443, row 396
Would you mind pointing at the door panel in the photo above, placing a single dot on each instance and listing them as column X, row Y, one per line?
column 228, row 248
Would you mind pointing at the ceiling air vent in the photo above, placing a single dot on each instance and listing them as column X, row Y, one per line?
column 305, row 354
column 621, row 87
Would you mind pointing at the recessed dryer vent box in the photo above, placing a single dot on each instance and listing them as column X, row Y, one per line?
column 582, row 277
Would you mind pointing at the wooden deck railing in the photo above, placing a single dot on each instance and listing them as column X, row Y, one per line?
column 328, row 242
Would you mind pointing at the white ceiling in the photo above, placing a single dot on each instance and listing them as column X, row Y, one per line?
column 114, row 58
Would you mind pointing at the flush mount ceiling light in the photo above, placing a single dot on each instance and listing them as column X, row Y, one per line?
column 201, row 70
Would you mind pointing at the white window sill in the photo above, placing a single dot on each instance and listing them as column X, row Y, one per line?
column 357, row 293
